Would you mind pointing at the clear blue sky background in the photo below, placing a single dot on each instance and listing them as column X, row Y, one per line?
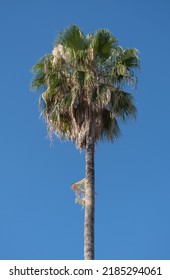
column 38, row 217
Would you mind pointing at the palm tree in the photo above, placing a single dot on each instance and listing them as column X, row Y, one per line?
column 85, row 84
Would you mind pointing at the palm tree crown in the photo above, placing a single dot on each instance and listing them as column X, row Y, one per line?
column 84, row 84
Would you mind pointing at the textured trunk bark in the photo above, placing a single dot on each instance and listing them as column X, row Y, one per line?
column 89, row 202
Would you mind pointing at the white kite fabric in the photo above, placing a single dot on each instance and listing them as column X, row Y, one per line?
column 79, row 189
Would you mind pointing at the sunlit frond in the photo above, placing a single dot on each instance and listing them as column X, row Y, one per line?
column 73, row 38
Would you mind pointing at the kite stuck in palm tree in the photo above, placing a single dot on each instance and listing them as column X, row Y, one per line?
column 79, row 189
column 85, row 88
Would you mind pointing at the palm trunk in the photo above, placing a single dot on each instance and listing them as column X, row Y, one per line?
column 89, row 202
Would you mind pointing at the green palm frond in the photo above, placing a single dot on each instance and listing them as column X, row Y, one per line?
column 38, row 81
column 102, row 43
column 123, row 104
column 111, row 129
column 123, row 68
column 129, row 58
column 72, row 38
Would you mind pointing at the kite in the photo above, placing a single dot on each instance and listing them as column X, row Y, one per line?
column 79, row 189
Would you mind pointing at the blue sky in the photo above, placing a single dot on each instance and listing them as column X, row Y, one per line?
column 38, row 217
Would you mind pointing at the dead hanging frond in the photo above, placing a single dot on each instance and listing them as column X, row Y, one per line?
column 58, row 51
